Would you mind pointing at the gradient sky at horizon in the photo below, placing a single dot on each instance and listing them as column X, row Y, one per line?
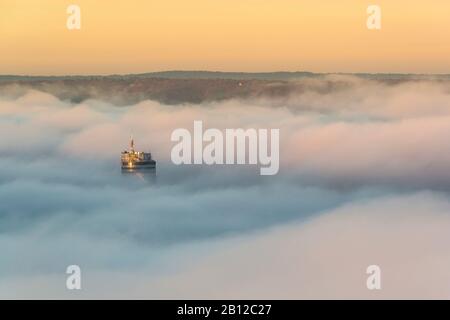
column 248, row 35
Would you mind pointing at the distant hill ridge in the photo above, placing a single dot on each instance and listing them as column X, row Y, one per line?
column 178, row 74
column 178, row 87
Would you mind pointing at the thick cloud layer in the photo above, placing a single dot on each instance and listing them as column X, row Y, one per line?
column 370, row 149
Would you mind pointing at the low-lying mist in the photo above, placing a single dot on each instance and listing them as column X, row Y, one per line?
column 352, row 151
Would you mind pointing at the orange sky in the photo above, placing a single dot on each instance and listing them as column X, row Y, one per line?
column 135, row 36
